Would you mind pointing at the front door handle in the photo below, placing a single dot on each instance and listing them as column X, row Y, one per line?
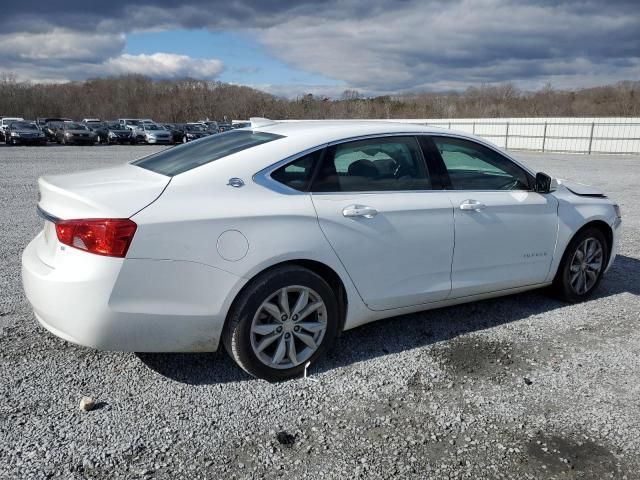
column 359, row 211
column 474, row 205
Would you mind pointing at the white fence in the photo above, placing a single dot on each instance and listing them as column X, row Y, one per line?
column 571, row 134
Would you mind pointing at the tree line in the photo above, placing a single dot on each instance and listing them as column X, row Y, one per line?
column 135, row 96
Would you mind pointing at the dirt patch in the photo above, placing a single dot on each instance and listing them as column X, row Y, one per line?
column 571, row 458
column 477, row 357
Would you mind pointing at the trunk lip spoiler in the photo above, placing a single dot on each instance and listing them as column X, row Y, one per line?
column 45, row 215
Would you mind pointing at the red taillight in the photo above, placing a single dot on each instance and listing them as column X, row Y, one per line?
column 110, row 237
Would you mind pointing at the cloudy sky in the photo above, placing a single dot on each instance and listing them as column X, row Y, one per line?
column 326, row 46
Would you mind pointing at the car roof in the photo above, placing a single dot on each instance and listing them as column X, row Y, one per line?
column 325, row 131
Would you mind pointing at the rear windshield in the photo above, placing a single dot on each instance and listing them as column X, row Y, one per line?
column 176, row 160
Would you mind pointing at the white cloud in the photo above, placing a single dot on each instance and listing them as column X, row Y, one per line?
column 163, row 65
column 61, row 55
column 59, row 45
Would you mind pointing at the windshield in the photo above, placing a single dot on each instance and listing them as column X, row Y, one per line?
column 24, row 126
column 133, row 122
column 115, row 126
column 152, row 127
column 75, row 126
column 176, row 160
column 194, row 128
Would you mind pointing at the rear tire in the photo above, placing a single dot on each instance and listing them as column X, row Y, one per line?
column 582, row 266
column 272, row 335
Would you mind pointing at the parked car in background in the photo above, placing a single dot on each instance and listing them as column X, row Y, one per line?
column 24, row 133
column 224, row 127
column 193, row 131
column 155, row 134
column 177, row 131
column 51, row 127
column 99, row 128
column 74, row 133
column 130, row 123
column 117, row 133
column 241, row 125
column 48, row 125
column 4, row 123
column 209, row 126
column 135, row 125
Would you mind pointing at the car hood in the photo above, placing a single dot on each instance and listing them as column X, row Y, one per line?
column 115, row 192
column 581, row 189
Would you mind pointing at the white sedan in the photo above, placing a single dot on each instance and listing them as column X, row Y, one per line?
column 274, row 238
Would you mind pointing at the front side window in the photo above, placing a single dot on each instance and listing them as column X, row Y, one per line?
column 376, row 164
column 176, row 160
column 472, row 166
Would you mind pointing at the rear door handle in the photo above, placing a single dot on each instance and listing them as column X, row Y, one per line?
column 474, row 205
column 359, row 211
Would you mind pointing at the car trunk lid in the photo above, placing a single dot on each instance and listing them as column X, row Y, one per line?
column 116, row 192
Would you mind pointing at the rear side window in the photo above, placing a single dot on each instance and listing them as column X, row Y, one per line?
column 182, row 158
column 297, row 174
column 374, row 164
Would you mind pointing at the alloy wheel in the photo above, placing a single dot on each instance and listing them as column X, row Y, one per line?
column 586, row 265
column 288, row 327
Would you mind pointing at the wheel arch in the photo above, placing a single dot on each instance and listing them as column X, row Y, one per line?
column 603, row 227
column 323, row 270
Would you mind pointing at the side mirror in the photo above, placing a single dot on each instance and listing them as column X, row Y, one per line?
column 544, row 183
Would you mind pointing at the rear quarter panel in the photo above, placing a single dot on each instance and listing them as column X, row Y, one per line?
column 243, row 231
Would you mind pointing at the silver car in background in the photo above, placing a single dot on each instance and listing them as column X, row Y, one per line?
column 152, row 133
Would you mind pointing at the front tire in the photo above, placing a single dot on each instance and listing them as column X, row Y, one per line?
column 282, row 320
column 582, row 266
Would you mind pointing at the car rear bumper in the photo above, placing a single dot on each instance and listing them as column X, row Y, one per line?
column 136, row 305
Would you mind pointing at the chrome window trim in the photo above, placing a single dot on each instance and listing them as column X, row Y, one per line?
column 263, row 177
column 487, row 145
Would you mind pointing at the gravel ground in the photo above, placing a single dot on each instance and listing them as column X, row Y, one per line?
column 519, row 387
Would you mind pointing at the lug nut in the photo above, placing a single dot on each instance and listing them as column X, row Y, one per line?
column 296, row 328
column 294, row 318
column 287, row 335
column 279, row 329
column 283, row 318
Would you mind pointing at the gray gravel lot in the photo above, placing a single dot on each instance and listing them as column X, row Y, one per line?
column 519, row 387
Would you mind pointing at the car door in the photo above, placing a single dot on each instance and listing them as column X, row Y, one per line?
column 505, row 232
column 390, row 229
